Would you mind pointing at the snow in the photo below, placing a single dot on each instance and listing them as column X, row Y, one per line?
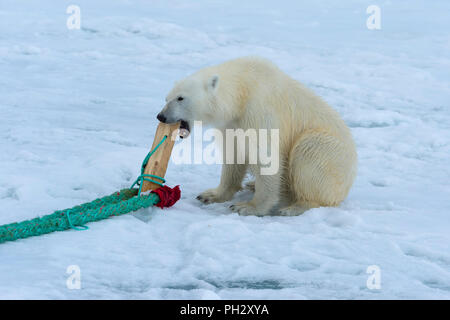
column 78, row 113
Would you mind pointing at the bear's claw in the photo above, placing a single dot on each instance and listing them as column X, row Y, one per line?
column 211, row 196
column 245, row 209
column 205, row 200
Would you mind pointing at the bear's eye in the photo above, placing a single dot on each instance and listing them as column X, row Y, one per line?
column 180, row 98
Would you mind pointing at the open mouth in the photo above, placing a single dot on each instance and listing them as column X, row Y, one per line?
column 185, row 129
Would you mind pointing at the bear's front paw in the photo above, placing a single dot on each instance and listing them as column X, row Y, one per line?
column 246, row 209
column 211, row 196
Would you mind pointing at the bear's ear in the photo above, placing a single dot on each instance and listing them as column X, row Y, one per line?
column 213, row 83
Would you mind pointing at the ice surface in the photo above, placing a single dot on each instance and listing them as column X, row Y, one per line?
column 78, row 113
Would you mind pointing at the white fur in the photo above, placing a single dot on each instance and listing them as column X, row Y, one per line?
column 317, row 153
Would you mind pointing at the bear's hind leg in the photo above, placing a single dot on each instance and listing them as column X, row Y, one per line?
column 321, row 170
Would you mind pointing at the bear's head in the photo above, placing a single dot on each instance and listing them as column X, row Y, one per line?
column 194, row 98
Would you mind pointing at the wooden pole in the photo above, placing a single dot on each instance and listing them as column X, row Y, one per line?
column 158, row 162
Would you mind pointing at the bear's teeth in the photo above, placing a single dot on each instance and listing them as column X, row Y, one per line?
column 183, row 133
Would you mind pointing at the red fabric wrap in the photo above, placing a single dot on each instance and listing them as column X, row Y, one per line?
column 168, row 196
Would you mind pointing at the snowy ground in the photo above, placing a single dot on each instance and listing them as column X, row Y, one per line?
column 78, row 115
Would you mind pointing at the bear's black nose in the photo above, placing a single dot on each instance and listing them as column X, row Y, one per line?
column 161, row 117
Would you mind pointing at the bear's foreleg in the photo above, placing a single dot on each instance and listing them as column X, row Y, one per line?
column 267, row 195
column 230, row 183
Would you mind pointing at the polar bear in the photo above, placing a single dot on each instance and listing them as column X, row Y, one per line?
column 317, row 154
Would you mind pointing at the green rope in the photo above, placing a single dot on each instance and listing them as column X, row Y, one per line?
column 146, row 177
column 118, row 203
column 68, row 212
